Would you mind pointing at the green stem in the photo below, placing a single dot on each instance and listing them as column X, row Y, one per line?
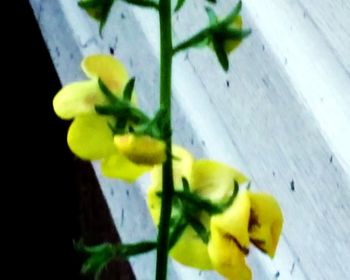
column 165, row 102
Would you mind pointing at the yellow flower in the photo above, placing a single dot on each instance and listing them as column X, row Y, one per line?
column 251, row 217
column 209, row 179
column 81, row 97
column 89, row 136
column 265, row 223
column 190, row 249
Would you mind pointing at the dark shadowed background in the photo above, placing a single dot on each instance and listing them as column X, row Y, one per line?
column 61, row 198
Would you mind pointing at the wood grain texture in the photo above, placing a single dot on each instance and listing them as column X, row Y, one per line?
column 280, row 114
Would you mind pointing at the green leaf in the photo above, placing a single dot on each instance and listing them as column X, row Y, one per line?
column 179, row 5
column 220, row 52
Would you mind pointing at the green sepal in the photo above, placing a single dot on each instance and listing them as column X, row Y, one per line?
column 117, row 110
column 199, row 228
column 185, row 185
column 120, row 108
column 177, row 227
column 121, row 123
column 187, row 205
column 199, row 203
column 144, row 3
column 99, row 257
column 217, row 33
column 179, row 5
column 127, row 92
column 98, row 9
column 218, row 44
column 234, row 34
column 230, row 200
column 197, row 40
column 109, row 94
column 213, row 19
column 232, row 15
column 154, row 127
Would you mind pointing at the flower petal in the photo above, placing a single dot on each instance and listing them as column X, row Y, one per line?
column 141, row 149
column 190, row 250
column 77, row 98
column 214, row 180
column 111, row 71
column 90, row 138
column 182, row 167
column 265, row 222
column 118, row 166
column 233, row 223
column 227, row 259
column 229, row 239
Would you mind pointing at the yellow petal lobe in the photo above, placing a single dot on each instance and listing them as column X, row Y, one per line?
column 229, row 239
column 141, row 149
column 214, row 180
column 265, row 222
column 90, row 138
column 77, row 98
column 110, row 70
column 119, row 167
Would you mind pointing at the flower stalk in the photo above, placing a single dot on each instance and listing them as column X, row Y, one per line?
column 166, row 55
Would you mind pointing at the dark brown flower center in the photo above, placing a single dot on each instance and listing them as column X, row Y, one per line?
column 259, row 244
column 253, row 221
column 243, row 249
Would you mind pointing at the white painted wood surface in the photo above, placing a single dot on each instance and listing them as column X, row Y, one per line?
column 281, row 114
